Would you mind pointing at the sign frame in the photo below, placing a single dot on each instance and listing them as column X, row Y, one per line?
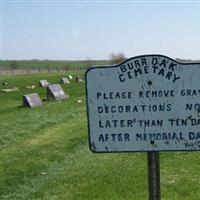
column 91, row 144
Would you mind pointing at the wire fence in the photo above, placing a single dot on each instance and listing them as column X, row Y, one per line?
column 38, row 71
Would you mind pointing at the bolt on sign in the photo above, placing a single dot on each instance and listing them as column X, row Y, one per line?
column 147, row 103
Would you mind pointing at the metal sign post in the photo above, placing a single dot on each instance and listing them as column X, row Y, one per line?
column 153, row 159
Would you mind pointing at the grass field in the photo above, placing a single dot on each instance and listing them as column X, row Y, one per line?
column 46, row 64
column 44, row 154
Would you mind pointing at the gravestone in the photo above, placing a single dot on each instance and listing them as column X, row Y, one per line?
column 31, row 100
column 70, row 77
column 79, row 79
column 65, row 80
column 43, row 83
column 55, row 92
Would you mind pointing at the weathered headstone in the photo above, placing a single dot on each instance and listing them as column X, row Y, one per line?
column 43, row 83
column 55, row 92
column 31, row 100
column 79, row 79
column 65, row 80
column 70, row 77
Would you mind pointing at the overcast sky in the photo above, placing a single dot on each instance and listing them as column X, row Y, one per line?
column 71, row 30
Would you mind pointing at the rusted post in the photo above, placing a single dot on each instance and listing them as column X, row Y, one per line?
column 154, row 175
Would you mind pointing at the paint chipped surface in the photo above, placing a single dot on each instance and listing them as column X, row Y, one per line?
column 147, row 103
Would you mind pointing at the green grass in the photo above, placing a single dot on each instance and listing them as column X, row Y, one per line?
column 45, row 155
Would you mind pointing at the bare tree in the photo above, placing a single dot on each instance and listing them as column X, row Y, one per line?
column 87, row 63
column 116, row 58
column 14, row 65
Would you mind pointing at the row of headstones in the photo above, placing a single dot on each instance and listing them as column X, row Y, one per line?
column 54, row 91
column 65, row 80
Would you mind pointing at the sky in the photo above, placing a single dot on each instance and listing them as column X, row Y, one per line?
column 79, row 30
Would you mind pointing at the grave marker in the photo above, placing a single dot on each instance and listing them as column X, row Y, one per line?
column 31, row 100
column 65, row 80
column 55, row 91
column 70, row 77
column 43, row 83
column 79, row 79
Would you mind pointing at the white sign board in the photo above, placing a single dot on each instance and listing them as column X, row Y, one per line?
column 147, row 103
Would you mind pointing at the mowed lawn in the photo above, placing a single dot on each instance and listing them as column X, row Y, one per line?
column 44, row 153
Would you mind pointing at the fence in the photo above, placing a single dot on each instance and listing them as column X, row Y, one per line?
column 36, row 71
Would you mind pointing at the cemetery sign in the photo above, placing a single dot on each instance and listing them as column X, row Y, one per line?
column 147, row 103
